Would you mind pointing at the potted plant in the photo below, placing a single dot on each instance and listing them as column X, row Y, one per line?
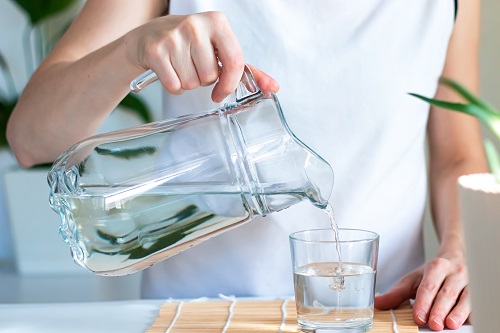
column 480, row 206
column 36, row 243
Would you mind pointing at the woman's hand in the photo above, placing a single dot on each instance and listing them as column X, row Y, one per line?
column 440, row 291
column 184, row 52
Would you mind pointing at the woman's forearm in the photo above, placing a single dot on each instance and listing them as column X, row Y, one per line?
column 67, row 101
column 445, row 203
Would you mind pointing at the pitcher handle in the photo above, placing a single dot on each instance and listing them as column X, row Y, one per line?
column 247, row 87
column 143, row 80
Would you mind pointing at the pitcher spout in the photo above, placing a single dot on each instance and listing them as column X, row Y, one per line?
column 316, row 173
column 276, row 168
column 320, row 176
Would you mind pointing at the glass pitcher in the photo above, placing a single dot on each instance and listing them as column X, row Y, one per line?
column 130, row 198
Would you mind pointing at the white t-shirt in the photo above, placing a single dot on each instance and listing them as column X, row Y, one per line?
column 344, row 69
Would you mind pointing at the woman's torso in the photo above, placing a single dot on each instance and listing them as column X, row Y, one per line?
column 344, row 68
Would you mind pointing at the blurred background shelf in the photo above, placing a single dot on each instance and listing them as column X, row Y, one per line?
column 83, row 287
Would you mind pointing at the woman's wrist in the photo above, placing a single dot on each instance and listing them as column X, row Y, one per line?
column 452, row 247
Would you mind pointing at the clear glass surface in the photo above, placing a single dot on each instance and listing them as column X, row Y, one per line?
column 334, row 280
column 130, row 198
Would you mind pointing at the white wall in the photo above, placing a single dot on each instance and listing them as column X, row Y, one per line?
column 490, row 55
column 490, row 51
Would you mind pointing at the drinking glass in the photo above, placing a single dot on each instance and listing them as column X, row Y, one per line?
column 334, row 278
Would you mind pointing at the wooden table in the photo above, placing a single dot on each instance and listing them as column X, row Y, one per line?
column 136, row 316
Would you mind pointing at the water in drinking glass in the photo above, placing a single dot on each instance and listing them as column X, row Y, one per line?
column 321, row 304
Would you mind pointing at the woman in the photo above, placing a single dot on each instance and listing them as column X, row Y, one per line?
column 345, row 69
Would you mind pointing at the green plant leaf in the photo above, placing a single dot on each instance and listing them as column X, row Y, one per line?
column 466, row 94
column 493, row 158
column 134, row 104
column 39, row 10
column 168, row 239
column 168, row 224
column 182, row 223
column 445, row 105
column 489, row 118
column 126, row 153
column 3, row 63
column 486, row 114
column 42, row 166
column 6, row 108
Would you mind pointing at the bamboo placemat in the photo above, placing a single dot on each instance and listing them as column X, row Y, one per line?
column 231, row 315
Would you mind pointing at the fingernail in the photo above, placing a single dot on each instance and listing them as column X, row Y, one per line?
column 438, row 321
column 422, row 316
column 456, row 319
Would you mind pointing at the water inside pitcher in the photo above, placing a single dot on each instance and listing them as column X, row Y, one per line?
column 130, row 198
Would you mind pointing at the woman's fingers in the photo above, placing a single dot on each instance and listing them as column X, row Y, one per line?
column 184, row 67
column 451, row 304
column 230, row 55
column 205, row 62
column 195, row 59
column 432, row 280
column 167, row 76
column 460, row 312
column 440, row 300
column 264, row 81
column 185, row 51
column 403, row 291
